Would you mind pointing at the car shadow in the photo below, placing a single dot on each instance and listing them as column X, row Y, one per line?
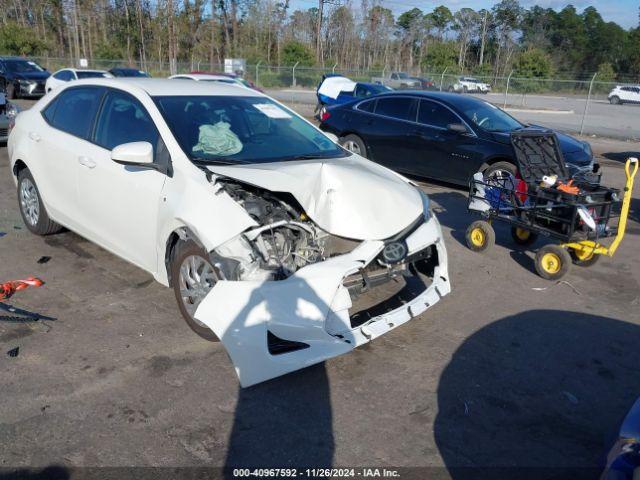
column 540, row 394
column 53, row 472
column 286, row 421
column 621, row 156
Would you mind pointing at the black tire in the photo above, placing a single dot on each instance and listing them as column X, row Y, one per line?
column 615, row 100
column 522, row 236
column 33, row 212
column 552, row 262
column 354, row 144
column 184, row 250
column 480, row 236
column 504, row 167
column 11, row 91
column 584, row 261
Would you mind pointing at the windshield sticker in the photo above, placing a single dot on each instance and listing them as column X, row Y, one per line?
column 272, row 111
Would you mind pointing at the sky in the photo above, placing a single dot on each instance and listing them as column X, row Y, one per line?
column 623, row 12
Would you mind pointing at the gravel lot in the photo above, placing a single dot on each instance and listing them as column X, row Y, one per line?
column 507, row 371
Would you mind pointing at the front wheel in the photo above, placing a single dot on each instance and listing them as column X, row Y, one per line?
column 32, row 210
column 615, row 100
column 584, row 258
column 480, row 236
column 500, row 170
column 552, row 262
column 192, row 277
column 354, row 144
column 11, row 91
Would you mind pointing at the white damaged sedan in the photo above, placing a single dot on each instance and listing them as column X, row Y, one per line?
column 275, row 240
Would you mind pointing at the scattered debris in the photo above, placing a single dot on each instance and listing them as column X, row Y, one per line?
column 44, row 259
column 571, row 397
column 541, row 289
column 13, row 353
column 7, row 289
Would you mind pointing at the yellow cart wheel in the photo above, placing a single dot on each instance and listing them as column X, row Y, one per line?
column 552, row 262
column 583, row 258
column 480, row 236
column 522, row 236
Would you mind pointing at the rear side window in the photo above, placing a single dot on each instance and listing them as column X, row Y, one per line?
column 367, row 106
column 75, row 110
column 123, row 119
column 431, row 113
column 403, row 108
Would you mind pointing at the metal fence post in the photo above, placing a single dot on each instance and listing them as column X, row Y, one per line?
column 333, row 70
column 293, row 75
column 586, row 105
column 257, row 73
column 442, row 77
column 506, row 91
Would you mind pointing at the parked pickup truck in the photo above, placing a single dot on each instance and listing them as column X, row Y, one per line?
column 398, row 80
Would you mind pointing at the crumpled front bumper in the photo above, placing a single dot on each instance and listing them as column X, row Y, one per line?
column 309, row 311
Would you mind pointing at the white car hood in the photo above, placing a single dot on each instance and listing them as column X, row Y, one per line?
column 349, row 197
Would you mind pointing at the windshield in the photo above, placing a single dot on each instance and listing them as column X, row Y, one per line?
column 402, row 75
column 129, row 73
column 490, row 118
column 229, row 130
column 23, row 66
column 378, row 89
column 85, row 74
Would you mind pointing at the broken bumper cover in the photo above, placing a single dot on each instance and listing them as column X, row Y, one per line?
column 270, row 328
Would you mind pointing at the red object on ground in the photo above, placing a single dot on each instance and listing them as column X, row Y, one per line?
column 7, row 289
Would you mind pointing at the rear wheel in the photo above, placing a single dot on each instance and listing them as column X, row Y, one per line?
column 32, row 210
column 615, row 100
column 500, row 169
column 480, row 236
column 583, row 258
column 552, row 262
column 354, row 144
column 522, row 236
column 193, row 276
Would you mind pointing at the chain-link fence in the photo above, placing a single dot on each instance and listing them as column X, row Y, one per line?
column 581, row 101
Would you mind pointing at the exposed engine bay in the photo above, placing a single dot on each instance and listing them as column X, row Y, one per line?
column 285, row 241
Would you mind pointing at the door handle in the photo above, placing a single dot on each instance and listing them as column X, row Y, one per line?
column 86, row 161
column 34, row 136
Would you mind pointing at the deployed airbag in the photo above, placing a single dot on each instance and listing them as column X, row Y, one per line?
column 218, row 139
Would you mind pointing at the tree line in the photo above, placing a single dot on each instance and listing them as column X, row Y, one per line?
column 356, row 35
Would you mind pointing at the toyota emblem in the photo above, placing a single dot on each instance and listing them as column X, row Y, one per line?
column 394, row 252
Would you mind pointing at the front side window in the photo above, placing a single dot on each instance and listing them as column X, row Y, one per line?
column 431, row 113
column 123, row 119
column 75, row 110
column 228, row 129
column 402, row 108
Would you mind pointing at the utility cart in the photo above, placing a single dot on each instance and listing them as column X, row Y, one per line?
column 543, row 200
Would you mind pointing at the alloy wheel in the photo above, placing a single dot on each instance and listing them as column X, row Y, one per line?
column 29, row 202
column 197, row 278
column 353, row 147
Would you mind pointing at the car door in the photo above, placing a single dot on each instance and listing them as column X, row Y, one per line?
column 120, row 203
column 56, row 143
column 386, row 130
column 439, row 152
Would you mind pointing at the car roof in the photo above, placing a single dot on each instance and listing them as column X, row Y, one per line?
column 454, row 100
column 166, row 87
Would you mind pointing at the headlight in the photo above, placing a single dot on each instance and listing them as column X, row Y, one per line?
column 25, row 82
column 12, row 110
column 426, row 210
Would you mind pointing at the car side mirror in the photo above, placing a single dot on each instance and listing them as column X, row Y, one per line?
column 459, row 128
column 133, row 154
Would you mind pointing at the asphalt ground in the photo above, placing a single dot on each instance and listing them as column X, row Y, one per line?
column 554, row 111
column 509, row 374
